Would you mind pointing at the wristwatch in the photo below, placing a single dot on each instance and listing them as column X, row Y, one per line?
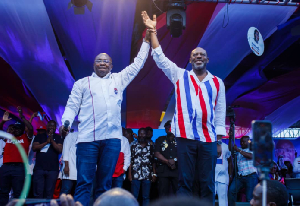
column 219, row 142
column 155, row 175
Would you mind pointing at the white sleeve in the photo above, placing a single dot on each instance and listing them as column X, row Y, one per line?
column 130, row 72
column 66, row 147
column 220, row 110
column 127, row 154
column 171, row 70
column 73, row 104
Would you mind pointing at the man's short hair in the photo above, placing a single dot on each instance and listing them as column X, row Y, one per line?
column 167, row 123
column 129, row 131
column 149, row 129
column 245, row 137
column 116, row 196
column 142, row 129
column 52, row 121
column 277, row 192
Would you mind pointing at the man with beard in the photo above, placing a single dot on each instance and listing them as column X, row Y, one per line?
column 247, row 173
column 141, row 170
column 47, row 146
column 199, row 120
column 98, row 98
column 12, row 173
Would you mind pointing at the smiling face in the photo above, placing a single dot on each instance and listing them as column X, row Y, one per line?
column 199, row 59
column 102, row 65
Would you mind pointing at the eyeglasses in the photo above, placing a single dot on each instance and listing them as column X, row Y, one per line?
column 102, row 61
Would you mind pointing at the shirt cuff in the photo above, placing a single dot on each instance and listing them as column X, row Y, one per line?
column 156, row 51
column 220, row 130
column 145, row 46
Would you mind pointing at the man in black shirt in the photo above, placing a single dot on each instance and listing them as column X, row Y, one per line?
column 166, row 153
column 47, row 147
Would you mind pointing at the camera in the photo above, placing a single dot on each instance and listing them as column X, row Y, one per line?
column 262, row 143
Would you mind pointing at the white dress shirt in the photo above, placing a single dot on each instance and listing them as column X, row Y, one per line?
column 200, row 106
column 125, row 148
column 99, row 101
column 69, row 154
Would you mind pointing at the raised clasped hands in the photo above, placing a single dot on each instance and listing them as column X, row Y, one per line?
column 150, row 24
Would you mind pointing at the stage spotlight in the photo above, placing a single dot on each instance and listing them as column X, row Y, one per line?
column 176, row 17
column 79, row 6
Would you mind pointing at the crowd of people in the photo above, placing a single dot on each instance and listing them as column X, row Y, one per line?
column 189, row 160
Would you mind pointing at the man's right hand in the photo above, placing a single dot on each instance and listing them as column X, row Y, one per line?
column 5, row 117
column 64, row 132
column 66, row 170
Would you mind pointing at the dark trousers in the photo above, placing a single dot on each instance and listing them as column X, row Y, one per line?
column 104, row 154
column 44, row 183
column 67, row 186
column 249, row 182
column 12, row 176
column 196, row 161
column 164, row 185
column 117, row 181
column 135, row 189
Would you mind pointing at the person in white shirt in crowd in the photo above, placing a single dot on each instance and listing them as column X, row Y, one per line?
column 222, row 175
column 69, row 170
column 122, row 164
column 98, row 98
column 296, row 167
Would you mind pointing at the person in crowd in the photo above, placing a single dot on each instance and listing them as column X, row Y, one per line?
column 247, row 173
column 166, row 166
column 69, row 170
column 296, row 167
column 47, row 146
column 32, row 156
column 128, row 133
column 115, row 196
column 141, row 170
column 98, row 98
column 274, row 173
column 277, row 194
column 12, row 173
column 222, row 175
column 123, row 163
column 199, row 120
column 289, row 166
column 149, row 134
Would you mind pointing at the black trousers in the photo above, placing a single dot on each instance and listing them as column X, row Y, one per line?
column 12, row 176
column 196, row 161
column 44, row 183
column 167, row 186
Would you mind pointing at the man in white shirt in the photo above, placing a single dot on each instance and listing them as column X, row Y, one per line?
column 222, row 176
column 199, row 119
column 98, row 98
column 69, row 174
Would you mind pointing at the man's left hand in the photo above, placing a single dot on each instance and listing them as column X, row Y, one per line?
column 65, row 200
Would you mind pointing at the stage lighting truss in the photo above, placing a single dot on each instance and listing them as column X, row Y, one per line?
column 79, row 6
